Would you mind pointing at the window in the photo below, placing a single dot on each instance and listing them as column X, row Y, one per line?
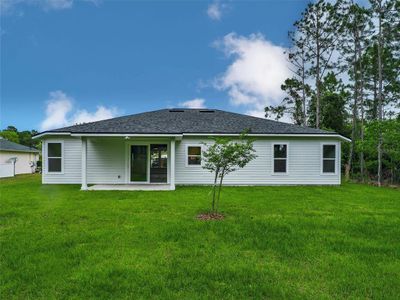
column 54, row 157
column 280, row 158
column 329, row 159
column 194, row 155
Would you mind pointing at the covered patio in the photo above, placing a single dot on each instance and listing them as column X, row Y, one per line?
column 131, row 163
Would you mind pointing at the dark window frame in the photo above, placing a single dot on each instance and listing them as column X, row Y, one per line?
column 58, row 158
column 286, row 159
column 334, row 159
column 188, row 155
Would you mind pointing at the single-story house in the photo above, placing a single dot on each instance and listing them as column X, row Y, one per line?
column 164, row 148
column 16, row 159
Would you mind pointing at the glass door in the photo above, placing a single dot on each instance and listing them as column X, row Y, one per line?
column 158, row 163
column 139, row 168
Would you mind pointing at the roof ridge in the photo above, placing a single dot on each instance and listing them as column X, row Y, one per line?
column 163, row 121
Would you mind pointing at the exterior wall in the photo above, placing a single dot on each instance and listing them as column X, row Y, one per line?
column 24, row 159
column 304, row 164
column 6, row 170
column 71, row 162
column 108, row 159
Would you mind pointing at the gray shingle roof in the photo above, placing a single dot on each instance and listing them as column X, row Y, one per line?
column 178, row 121
column 6, row 145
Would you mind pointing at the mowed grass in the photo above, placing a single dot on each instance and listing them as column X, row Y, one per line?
column 276, row 242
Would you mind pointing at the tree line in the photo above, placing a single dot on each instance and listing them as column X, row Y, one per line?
column 12, row 134
column 345, row 61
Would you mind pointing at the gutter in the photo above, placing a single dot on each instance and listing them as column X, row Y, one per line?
column 22, row 151
column 44, row 133
column 338, row 136
column 126, row 135
column 179, row 136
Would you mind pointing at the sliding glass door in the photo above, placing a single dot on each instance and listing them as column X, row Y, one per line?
column 139, row 160
column 149, row 163
column 158, row 163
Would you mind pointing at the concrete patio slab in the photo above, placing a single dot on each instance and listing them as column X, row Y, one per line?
column 130, row 187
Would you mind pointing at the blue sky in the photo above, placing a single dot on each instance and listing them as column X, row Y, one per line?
column 65, row 61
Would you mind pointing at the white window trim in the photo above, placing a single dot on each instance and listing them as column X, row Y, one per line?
column 336, row 158
column 187, row 156
column 273, row 159
column 47, row 156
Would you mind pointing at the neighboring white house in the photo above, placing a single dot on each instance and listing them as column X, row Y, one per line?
column 16, row 159
column 165, row 147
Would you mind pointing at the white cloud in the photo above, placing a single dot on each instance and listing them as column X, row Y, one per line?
column 8, row 6
column 254, row 78
column 57, row 4
column 59, row 112
column 102, row 113
column 58, row 106
column 195, row 103
column 215, row 10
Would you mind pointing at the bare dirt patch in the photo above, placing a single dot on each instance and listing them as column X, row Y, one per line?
column 210, row 216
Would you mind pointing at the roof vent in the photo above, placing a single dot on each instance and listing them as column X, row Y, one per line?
column 206, row 111
column 176, row 110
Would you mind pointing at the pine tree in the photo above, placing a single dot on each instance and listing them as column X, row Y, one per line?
column 354, row 42
column 387, row 15
column 320, row 28
column 313, row 45
column 295, row 103
column 297, row 89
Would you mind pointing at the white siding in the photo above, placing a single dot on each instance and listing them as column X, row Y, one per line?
column 71, row 161
column 106, row 161
column 304, row 165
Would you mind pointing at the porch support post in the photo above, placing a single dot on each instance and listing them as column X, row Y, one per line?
column 84, row 186
column 172, row 165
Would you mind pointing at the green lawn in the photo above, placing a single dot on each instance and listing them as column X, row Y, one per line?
column 276, row 242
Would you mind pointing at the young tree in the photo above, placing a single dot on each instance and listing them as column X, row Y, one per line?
column 223, row 157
